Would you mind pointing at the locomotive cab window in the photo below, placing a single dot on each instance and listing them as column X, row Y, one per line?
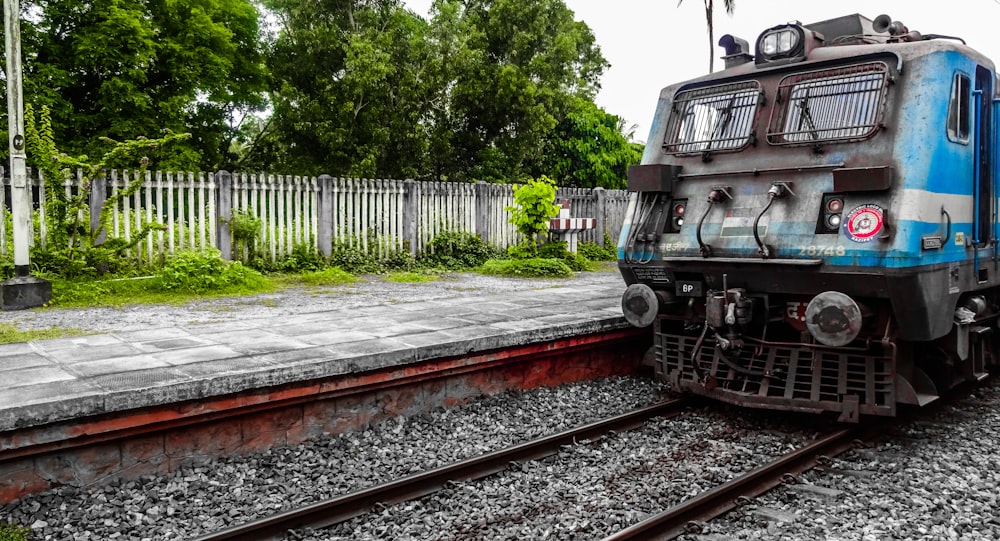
column 838, row 105
column 714, row 119
column 958, row 109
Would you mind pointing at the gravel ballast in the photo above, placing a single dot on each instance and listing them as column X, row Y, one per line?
column 932, row 478
column 199, row 499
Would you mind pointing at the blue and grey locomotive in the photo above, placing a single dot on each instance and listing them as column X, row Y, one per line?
column 815, row 228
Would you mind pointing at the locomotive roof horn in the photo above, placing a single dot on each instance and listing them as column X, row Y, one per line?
column 884, row 23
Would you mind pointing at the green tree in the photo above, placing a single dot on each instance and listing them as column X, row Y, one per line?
column 589, row 148
column 522, row 64
column 349, row 89
column 127, row 68
column 709, row 11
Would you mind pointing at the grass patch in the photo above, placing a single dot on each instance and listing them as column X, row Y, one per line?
column 327, row 277
column 409, row 277
column 87, row 293
column 9, row 334
column 527, row 268
column 11, row 532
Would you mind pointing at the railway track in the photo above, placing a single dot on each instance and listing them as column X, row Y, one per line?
column 332, row 511
column 686, row 516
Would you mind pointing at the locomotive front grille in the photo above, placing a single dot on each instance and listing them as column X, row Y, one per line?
column 801, row 378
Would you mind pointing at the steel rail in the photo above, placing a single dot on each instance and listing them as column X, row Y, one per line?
column 341, row 508
column 684, row 517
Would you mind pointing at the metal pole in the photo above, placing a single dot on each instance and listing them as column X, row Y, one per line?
column 23, row 290
column 20, row 191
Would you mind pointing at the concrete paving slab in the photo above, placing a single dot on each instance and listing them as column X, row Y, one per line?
column 78, row 342
column 116, row 365
column 180, row 357
column 179, row 342
column 27, row 359
column 331, row 337
column 35, row 375
column 85, row 353
column 152, row 335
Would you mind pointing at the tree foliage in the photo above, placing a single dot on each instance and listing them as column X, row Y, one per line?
column 125, row 68
column 495, row 90
column 348, row 91
column 589, row 149
column 472, row 94
column 522, row 65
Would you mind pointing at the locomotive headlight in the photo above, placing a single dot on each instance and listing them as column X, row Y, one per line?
column 786, row 43
column 833, row 221
column 779, row 42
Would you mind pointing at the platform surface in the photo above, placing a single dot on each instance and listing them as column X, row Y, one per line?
column 54, row 380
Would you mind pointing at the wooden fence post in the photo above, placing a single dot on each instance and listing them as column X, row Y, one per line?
column 600, row 214
column 224, row 210
column 98, row 197
column 483, row 210
column 324, row 225
column 411, row 213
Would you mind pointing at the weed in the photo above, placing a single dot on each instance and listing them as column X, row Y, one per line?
column 534, row 205
column 11, row 532
column 245, row 228
column 534, row 268
column 409, row 277
column 9, row 334
column 205, row 272
column 327, row 277
column 457, row 250
column 595, row 252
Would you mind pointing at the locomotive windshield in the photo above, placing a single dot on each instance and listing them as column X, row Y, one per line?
column 718, row 118
column 844, row 104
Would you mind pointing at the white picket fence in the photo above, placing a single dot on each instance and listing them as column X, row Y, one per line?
column 375, row 215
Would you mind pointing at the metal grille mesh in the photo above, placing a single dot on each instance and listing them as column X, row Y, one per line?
column 843, row 104
column 820, row 377
column 718, row 118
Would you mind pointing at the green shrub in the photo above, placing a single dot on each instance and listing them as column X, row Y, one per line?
column 245, row 228
column 457, row 250
column 11, row 532
column 355, row 260
column 557, row 249
column 535, row 268
column 304, row 258
column 595, row 252
column 399, row 260
column 328, row 276
column 534, row 205
column 205, row 272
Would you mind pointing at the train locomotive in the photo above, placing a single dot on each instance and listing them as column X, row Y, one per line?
column 815, row 227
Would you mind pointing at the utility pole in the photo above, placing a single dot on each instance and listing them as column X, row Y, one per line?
column 23, row 290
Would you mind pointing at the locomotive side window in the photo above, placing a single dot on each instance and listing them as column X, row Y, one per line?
column 839, row 105
column 718, row 118
column 958, row 109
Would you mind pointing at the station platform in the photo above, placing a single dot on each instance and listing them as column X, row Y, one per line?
column 75, row 393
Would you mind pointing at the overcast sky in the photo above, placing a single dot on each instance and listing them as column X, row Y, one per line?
column 653, row 43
